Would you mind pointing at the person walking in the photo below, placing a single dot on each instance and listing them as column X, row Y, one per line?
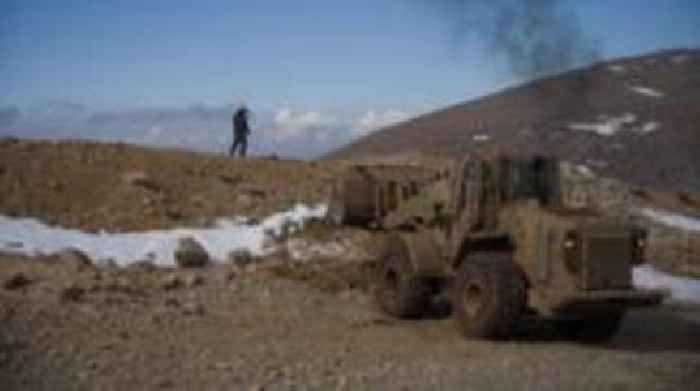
column 241, row 130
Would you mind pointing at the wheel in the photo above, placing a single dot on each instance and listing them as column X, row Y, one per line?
column 488, row 296
column 399, row 292
column 596, row 328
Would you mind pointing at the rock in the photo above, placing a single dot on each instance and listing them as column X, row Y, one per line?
column 148, row 202
column 171, row 281
column 73, row 293
column 14, row 244
column 253, row 221
column 194, row 280
column 55, row 185
column 144, row 266
column 229, row 276
column 253, row 191
column 198, row 201
column 141, row 179
column 190, row 253
column 16, row 281
column 73, row 257
column 193, row 309
column 240, row 257
column 108, row 263
column 244, row 200
column 230, row 180
column 174, row 214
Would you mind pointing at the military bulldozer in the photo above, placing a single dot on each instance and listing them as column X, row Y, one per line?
column 494, row 237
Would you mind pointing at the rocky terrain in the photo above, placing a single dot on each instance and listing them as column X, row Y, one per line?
column 635, row 119
column 70, row 326
column 299, row 317
column 95, row 186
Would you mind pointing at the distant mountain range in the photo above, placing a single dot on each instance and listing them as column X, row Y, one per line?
column 634, row 118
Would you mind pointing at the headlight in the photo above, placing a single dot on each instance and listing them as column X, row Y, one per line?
column 641, row 242
column 572, row 251
column 570, row 244
column 571, row 240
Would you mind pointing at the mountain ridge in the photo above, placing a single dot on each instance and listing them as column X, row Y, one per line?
column 634, row 118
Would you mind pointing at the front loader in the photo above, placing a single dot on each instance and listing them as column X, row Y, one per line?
column 495, row 237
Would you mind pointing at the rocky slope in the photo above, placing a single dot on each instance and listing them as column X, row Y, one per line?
column 88, row 185
column 634, row 118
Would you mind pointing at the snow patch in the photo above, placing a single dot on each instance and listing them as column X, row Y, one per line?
column 479, row 138
column 616, row 68
column 585, row 171
column 646, row 91
column 680, row 288
column 373, row 120
column 606, row 128
column 649, row 127
column 157, row 245
column 672, row 219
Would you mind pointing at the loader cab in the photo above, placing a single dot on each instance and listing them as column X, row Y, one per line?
column 481, row 187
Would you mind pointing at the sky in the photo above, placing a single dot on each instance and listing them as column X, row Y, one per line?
column 316, row 73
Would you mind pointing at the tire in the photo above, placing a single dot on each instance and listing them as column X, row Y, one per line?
column 593, row 329
column 488, row 296
column 399, row 292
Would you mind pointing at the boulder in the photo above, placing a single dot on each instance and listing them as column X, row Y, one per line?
column 190, row 253
column 16, row 281
column 240, row 257
column 72, row 293
column 74, row 257
column 171, row 281
column 193, row 280
column 141, row 179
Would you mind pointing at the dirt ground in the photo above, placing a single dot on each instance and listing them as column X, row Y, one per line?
column 275, row 325
column 71, row 327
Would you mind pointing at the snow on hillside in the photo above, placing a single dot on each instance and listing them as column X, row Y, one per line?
column 607, row 127
column 680, row 288
column 31, row 237
column 646, row 91
column 649, row 127
column 672, row 219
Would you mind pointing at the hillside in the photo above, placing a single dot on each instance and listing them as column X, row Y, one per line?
column 101, row 186
column 634, row 118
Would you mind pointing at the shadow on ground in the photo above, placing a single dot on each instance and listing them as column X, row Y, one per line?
column 670, row 327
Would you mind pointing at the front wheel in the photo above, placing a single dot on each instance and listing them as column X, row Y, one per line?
column 399, row 292
column 488, row 296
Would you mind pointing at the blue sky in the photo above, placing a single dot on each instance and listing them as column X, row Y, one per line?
column 338, row 65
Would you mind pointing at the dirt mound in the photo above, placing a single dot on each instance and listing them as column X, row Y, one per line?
column 122, row 187
column 611, row 116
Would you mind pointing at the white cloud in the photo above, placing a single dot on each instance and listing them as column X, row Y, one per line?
column 289, row 124
column 155, row 131
column 373, row 120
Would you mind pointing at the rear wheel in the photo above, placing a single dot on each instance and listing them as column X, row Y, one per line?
column 488, row 296
column 399, row 292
